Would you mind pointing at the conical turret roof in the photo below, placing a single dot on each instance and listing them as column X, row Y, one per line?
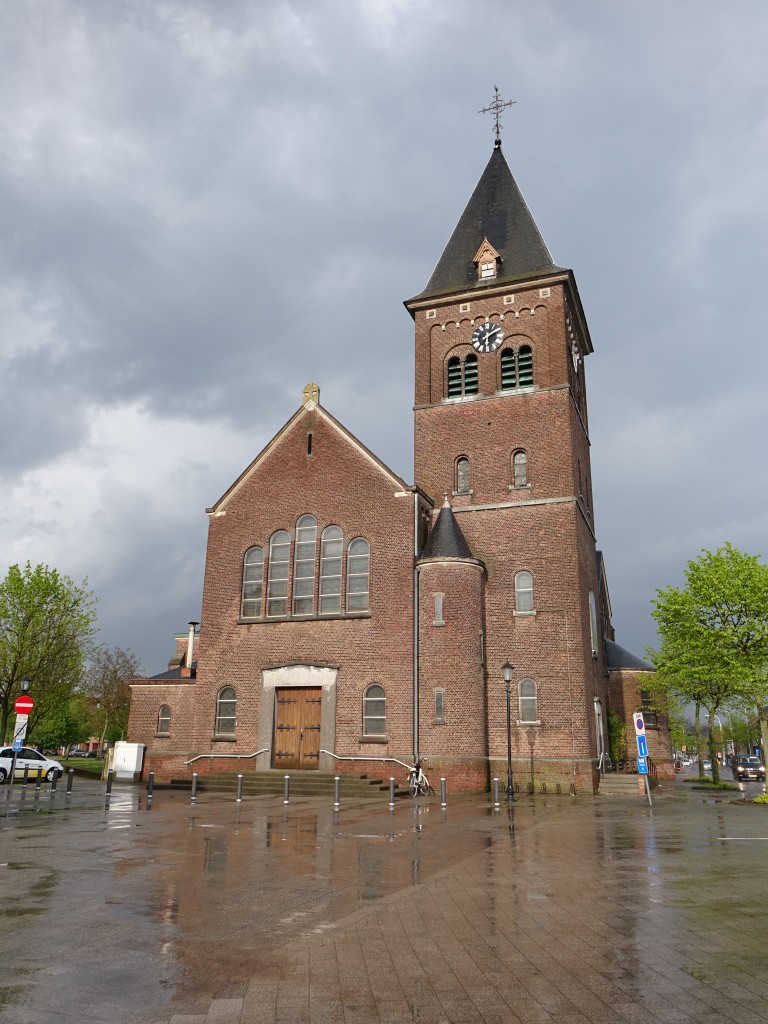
column 497, row 212
column 446, row 539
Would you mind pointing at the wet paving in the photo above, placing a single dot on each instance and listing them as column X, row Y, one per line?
column 559, row 909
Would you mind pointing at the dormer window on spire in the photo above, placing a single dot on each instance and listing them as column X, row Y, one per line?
column 487, row 261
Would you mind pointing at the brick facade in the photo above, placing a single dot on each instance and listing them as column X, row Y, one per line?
column 502, row 434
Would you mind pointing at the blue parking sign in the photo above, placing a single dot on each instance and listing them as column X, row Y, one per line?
column 642, row 766
column 17, row 744
column 642, row 746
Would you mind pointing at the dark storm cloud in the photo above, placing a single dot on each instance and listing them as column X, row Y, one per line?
column 207, row 205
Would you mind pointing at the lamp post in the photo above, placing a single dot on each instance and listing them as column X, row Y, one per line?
column 506, row 672
column 25, row 684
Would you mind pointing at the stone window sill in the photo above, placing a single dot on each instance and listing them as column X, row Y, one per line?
column 374, row 739
column 524, row 615
column 223, row 738
column 528, row 725
column 162, row 735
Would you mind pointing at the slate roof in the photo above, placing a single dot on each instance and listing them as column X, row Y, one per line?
column 498, row 212
column 446, row 539
column 617, row 657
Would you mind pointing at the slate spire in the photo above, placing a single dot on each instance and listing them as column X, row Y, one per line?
column 498, row 213
column 446, row 539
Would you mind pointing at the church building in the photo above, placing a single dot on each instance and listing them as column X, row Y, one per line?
column 354, row 622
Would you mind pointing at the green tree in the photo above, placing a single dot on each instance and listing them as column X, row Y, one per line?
column 46, row 632
column 66, row 723
column 713, row 633
column 106, row 684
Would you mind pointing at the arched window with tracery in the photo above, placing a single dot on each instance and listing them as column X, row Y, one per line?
column 331, row 547
column 253, row 582
column 304, row 558
column 358, row 570
column 277, row 583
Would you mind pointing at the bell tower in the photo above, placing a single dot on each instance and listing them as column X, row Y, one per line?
column 501, row 427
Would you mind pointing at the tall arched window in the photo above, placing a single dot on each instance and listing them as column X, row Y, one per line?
column 462, row 475
column 520, row 469
column 331, row 542
column 523, row 592
column 226, row 708
column 529, row 710
column 277, row 584
column 164, row 720
column 304, row 566
column 462, row 376
column 253, row 579
column 374, row 711
column 358, row 568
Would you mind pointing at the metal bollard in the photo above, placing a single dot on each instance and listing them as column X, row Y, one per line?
column 70, row 779
column 194, row 786
column 54, row 782
column 496, row 804
column 110, row 779
column 240, row 788
column 443, row 801
column 336, row 789
column 286, row 788
column 25, row 780
column 150, row 784
column 391, row 792
column 39, row 783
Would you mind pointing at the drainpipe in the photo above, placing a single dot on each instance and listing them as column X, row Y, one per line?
column 415, row 628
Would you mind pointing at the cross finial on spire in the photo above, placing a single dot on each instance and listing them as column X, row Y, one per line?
column 496, row 108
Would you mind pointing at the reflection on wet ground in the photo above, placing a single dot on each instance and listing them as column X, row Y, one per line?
column 557, row 908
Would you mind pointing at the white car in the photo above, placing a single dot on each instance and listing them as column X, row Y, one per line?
column 38, row 765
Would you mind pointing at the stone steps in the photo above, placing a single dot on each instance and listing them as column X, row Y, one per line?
column 272, row 783
column 618, row 784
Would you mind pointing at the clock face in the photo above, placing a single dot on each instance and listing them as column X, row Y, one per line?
column 487, row 337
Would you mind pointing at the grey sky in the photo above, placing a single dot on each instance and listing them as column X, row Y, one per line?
column 206, row 205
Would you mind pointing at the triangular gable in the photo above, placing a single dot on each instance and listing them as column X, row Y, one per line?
column 311, row 404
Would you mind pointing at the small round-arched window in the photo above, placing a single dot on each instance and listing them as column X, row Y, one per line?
column 374, row 711
column 164, row 720
column 226, row 709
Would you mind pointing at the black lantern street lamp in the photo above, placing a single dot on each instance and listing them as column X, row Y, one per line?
column 506, row 672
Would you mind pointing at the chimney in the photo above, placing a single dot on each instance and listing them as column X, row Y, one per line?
column 186, row 672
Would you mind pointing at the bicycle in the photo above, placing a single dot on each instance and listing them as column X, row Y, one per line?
column 418, row 783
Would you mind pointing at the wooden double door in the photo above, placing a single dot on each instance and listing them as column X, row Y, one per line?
column 297, row 728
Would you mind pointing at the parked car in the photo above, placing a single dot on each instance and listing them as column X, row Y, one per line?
column 78, row 753
column 37, row 763
column 748, row 768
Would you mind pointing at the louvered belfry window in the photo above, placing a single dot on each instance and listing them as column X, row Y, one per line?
column 462, row 376
column 455, row 382
column 517, row 368
column 470, row 375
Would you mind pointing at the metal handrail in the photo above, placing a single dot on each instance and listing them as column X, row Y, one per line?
column 239, row 757
column 394, row 760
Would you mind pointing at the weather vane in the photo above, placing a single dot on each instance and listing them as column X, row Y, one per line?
column 496, row 108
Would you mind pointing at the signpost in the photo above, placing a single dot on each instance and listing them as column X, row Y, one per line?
column 23, row 707
column 642, row 752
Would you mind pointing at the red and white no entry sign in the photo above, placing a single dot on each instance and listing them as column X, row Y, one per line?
column 23, row 705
